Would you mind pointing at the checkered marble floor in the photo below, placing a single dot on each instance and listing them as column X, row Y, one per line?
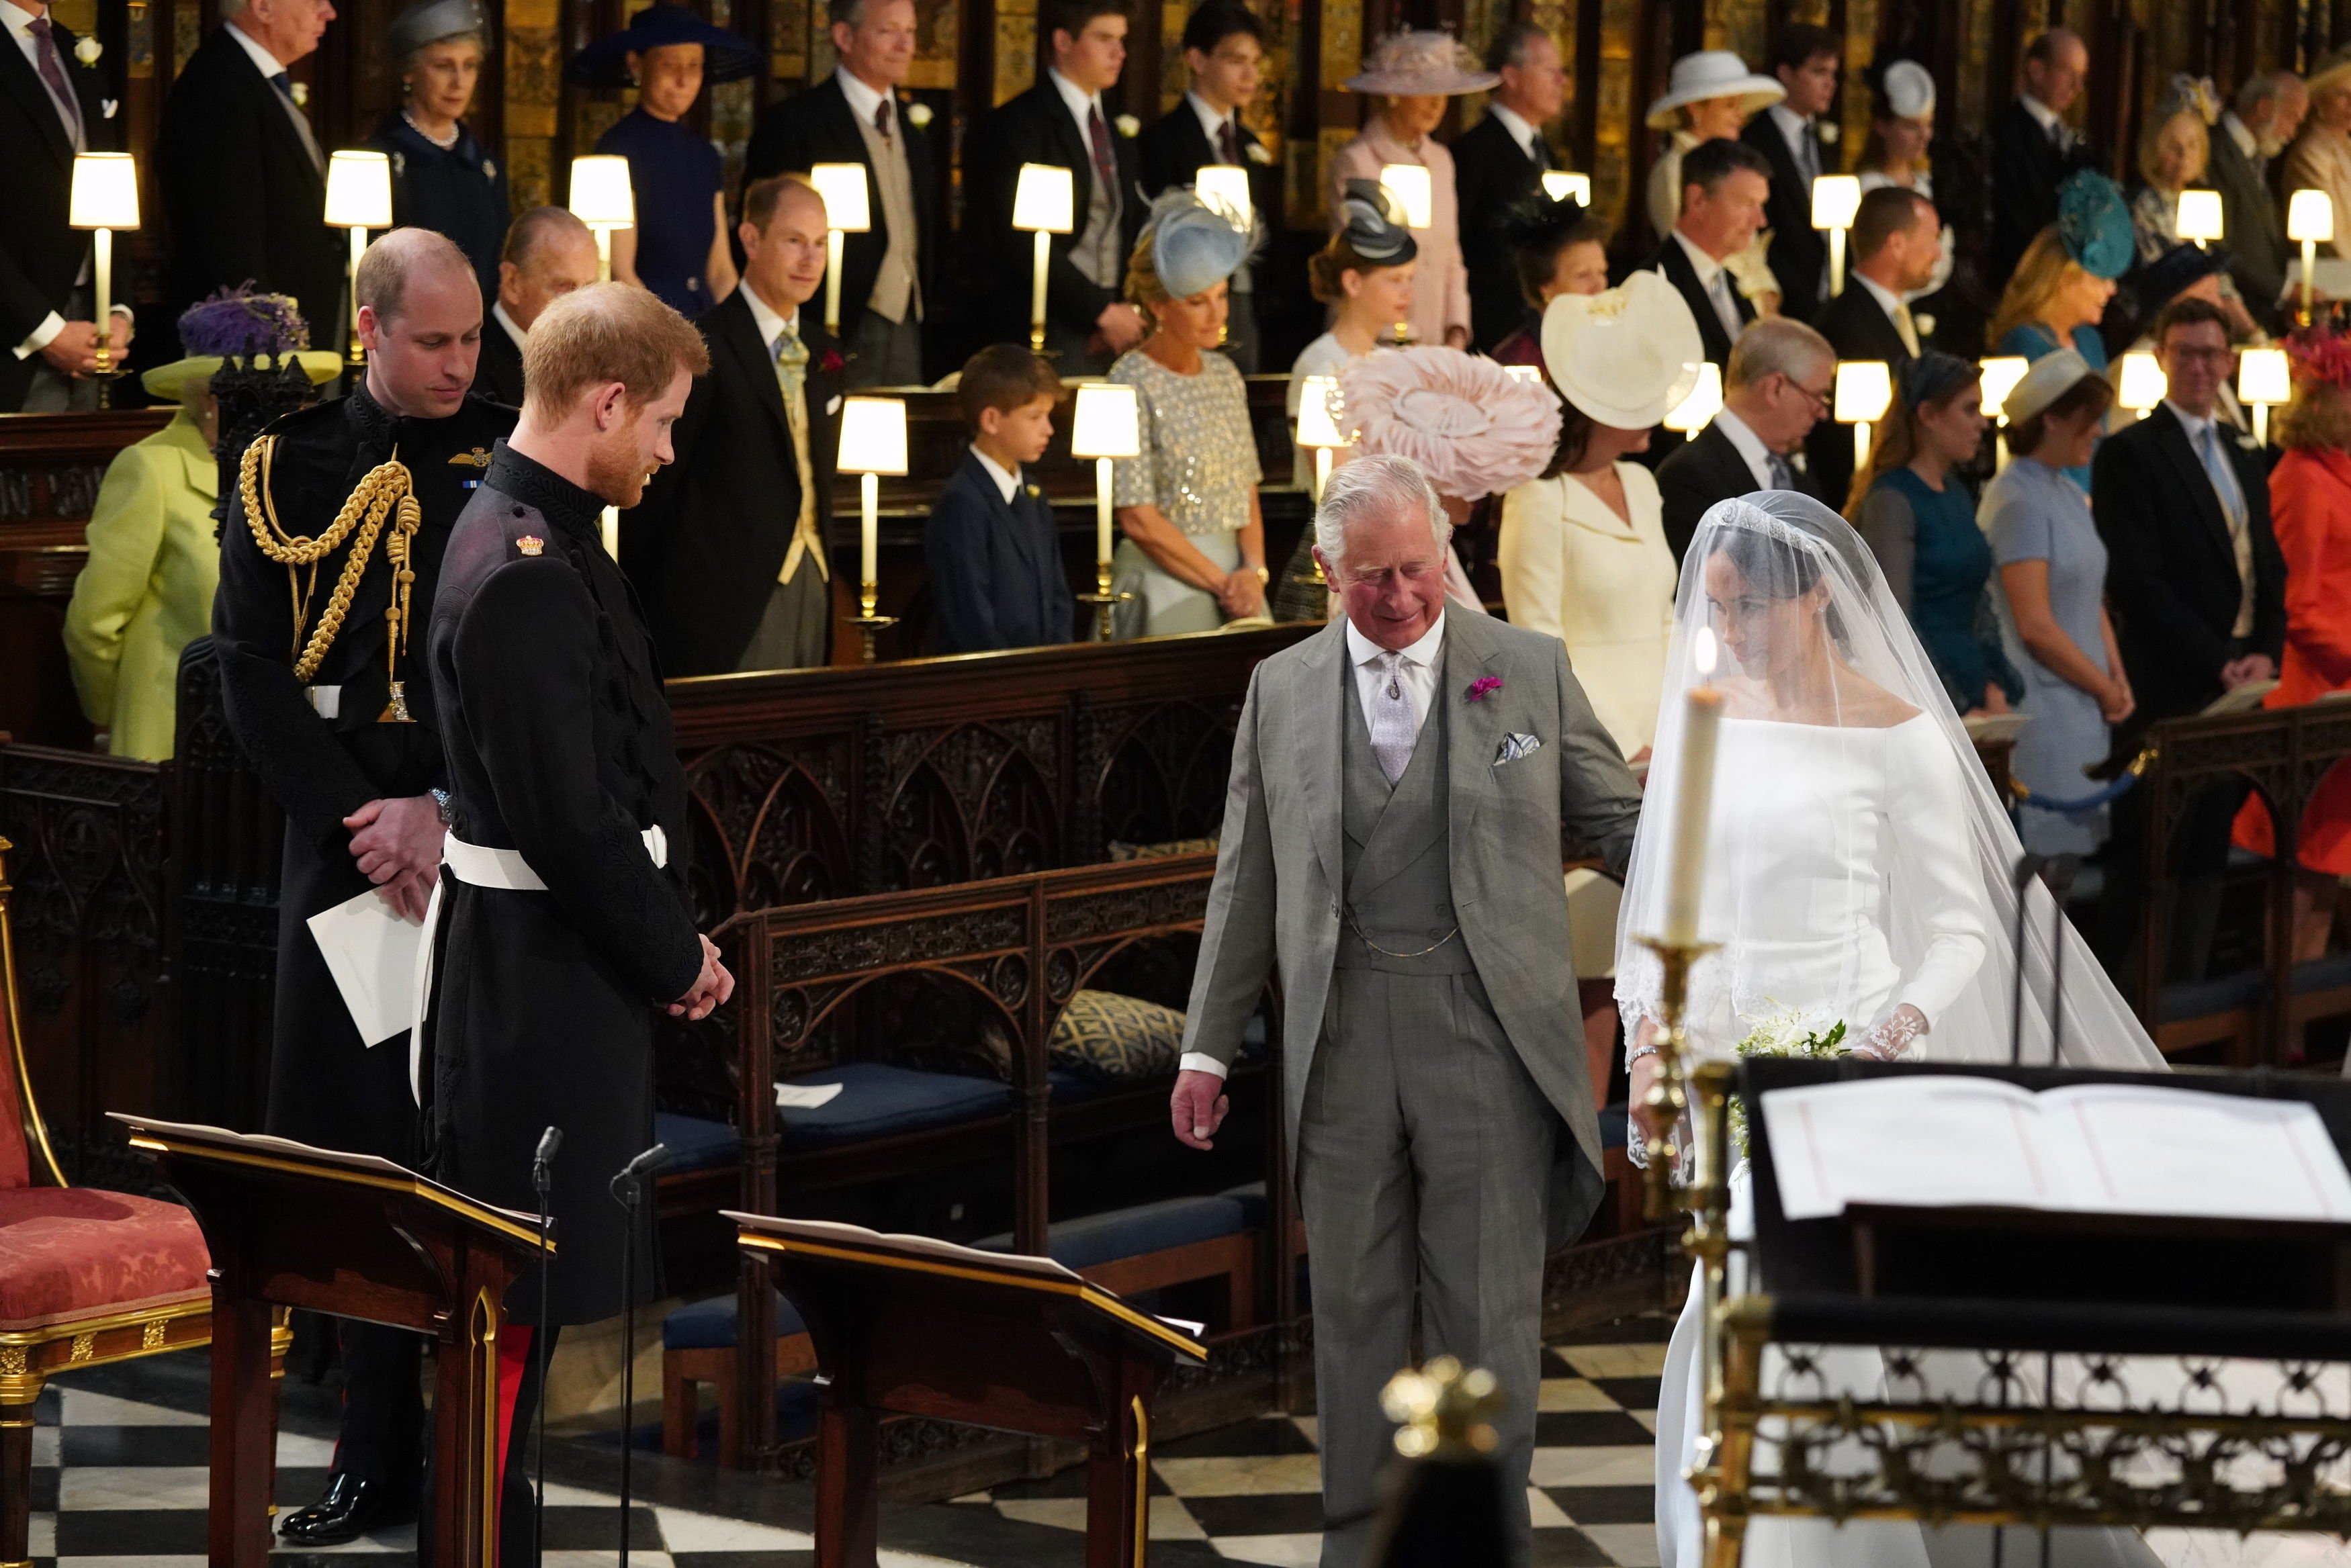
column 119, row 1480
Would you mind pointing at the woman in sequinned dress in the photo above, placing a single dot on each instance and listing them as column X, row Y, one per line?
column 1193, row 551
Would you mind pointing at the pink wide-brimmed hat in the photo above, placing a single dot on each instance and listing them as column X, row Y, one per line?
column 1411, row 64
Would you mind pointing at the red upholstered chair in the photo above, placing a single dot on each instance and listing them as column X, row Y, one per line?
column 86, row 1275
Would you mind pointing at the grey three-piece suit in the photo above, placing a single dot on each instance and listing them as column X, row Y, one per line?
column 1424, row 1094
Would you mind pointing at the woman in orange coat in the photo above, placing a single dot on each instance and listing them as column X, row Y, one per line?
column 2310, row 506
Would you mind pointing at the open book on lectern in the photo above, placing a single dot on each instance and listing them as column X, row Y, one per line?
column 1936, row 1141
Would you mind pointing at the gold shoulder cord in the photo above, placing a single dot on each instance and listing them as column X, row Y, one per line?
column 387, row 490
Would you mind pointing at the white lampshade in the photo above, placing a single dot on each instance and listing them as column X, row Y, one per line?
column 2142, row 383
column 1045, row 199
column 1559, row 185
column 873, row 435
column 2199, row 215
column 847, row 207
column 1705, row 400
column 1225, row 187
column 1107, row 423
column 2262, row 377
column 105, row 192
column 1835, row 199
column 2002, row 372
column 1408, row 185
column 602, row 197
column 1865, row 389
column 1318, row 424
column 2310, row 216
column 359, row 189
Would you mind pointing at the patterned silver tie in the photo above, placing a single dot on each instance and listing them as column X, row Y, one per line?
column 1392, row 731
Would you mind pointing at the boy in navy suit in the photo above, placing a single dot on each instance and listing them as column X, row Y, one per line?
column 994, row 557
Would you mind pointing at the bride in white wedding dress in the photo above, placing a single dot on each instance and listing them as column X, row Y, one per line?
column 1860, row 870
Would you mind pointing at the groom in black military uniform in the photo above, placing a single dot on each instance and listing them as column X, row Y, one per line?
column 561, row 921
column 329, row 555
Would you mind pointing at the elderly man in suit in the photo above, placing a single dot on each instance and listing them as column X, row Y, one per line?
column 1496, row 162
column 547, row 254
column 1782, row 377
column 727, row 548
column 1389, row 777
column 855, row 117
column 1897, row 240
column 1806, row 60
column 2258, row 127
column 54, row 108
column 1724, row 186
column 1063, row 121
column 244, row 180
column 2032, row 148
column 1223, row 52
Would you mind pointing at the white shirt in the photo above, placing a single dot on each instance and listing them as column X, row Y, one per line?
column 2247, row 142
column 1213, row 122
column 2232, row 505
column 862, row 100
column 1521, row 132
column 1749, row 445
column 1711, row 282
column 1891, row 303
column 1796, row 131
column 1007, row 481
column 1082, row 105
column 771, row 324
column 2047, row 119
column 267, row 64
column 1418, row 674
column 498, row 314
column 19, row 22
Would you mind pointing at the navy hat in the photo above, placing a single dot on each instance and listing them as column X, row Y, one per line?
column 429, row 21
column 726, row 57
column 1371, row 226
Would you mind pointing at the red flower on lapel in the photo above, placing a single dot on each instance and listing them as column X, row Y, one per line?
column 832, row 364
column 1482, row 685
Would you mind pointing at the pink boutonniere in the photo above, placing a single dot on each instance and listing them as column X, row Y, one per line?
column 1482, row 685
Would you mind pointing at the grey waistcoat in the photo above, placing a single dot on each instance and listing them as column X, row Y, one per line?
column 1395, row 849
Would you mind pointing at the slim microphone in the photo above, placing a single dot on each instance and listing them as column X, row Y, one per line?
column 645, row 1162
column 542, row 1163
column 542, row 1180
column 628, row 1190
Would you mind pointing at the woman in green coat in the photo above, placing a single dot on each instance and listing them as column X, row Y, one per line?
column 154, row 547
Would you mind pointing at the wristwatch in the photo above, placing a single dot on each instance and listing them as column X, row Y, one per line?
column 1264, row 575
column 441, row 805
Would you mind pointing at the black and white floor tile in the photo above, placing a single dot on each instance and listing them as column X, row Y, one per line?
column 119, row 1480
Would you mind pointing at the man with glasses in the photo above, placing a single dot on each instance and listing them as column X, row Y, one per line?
column 1781, row 376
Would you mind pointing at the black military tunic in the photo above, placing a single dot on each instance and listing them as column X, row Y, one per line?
column 560, row 749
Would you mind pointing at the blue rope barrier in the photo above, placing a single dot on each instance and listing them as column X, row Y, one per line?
column 2104, row 795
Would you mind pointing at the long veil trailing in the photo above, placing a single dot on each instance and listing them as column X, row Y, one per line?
column 1860, row 869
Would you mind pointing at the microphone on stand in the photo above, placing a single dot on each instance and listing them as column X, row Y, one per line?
column 2062, row 870
column 542, row 1181
column 628, row 1190
column 2028, row 867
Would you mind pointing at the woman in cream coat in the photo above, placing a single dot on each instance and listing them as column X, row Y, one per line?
column 1584, row 555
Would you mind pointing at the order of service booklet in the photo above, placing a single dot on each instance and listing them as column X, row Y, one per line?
column 1948, row 1141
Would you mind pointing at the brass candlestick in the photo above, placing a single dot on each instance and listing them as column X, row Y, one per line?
column 866, row 622
column 1668, row 1097
column 1104, row 600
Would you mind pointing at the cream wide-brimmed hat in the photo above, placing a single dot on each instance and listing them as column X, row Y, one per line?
column 1909, row 90
column 1625, row 357
column 1417, row 64
column 2048, row 379
column 1713, row 73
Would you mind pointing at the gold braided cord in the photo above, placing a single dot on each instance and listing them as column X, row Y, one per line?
column 384, row 488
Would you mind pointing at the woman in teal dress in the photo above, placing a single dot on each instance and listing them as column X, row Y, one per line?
column 1919, row 521
column 2060, row 288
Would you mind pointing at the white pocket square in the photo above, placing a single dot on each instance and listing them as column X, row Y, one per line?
column 1513, row 747
column 107, row 105
column 832, row 407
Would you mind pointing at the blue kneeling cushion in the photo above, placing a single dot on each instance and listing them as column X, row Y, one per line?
column 877, row 1099
column 1133, row 1232
column 710, row 1326
column 694, row 1144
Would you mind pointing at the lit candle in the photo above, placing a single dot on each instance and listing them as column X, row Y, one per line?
column 1694, row 802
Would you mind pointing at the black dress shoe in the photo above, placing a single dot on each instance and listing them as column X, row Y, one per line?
column 352, row 1507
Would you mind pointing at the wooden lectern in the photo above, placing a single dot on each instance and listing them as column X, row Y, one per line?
column 351, row 1236
column 907, row 1325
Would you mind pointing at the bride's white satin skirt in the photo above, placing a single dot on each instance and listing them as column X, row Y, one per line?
column 1816, row 1543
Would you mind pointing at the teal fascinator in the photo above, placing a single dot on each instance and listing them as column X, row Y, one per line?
column 2094, row 224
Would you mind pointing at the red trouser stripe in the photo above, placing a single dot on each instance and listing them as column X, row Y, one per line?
column 514, row 1360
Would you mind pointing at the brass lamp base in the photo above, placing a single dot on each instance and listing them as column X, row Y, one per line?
column 1104, row 602
column 867, row 626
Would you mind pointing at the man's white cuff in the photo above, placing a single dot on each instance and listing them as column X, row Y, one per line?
column 41, row 337
column 1199, row 1062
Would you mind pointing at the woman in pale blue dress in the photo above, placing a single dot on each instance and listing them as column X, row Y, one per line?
column 2052, row 571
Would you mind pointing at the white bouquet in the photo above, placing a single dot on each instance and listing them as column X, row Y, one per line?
column 1787, row 1032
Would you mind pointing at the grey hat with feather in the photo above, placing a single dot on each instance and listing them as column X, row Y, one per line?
column 1371, row 227
column 1193, row 246
column 429, row 21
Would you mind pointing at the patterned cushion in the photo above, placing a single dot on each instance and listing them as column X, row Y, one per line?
column 69, row 1251
column 1117, row 1039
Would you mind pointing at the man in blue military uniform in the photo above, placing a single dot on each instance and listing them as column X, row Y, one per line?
column 331, row 552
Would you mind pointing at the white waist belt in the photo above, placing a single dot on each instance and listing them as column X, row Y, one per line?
column 477, row 866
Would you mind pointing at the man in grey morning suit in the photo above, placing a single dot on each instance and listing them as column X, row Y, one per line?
column 1399, row 783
